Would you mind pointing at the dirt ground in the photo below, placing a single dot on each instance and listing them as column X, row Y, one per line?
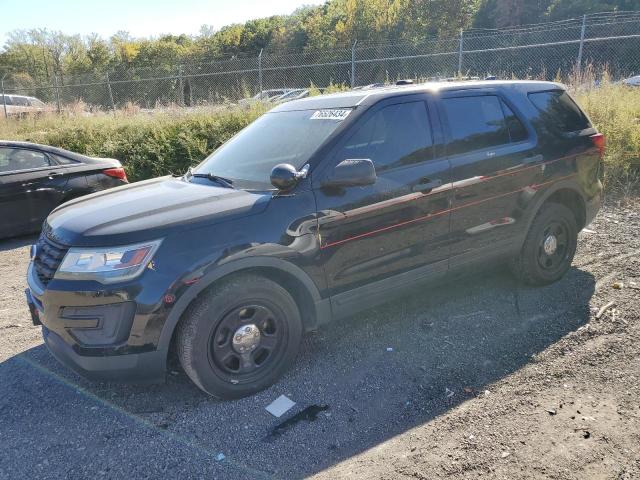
column 482, row 378
column 572, row 412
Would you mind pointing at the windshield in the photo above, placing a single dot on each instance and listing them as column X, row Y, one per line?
column 283, row 137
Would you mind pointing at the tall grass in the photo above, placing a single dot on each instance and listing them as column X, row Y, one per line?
column 171, row 141
column 615, row 110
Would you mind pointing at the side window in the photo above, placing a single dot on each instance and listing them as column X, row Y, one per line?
column 7, row 100
column 15, row 159
column 20, row 101
column 517, row 131
column 394, row 136
column 475, row 123
column 4, row 159
column 560, row 111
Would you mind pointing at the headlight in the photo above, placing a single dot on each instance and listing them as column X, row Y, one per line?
column 108, row 264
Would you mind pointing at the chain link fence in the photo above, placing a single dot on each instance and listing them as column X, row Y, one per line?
column 607, row 41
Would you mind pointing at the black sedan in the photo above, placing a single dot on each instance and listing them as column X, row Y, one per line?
column 35, row 179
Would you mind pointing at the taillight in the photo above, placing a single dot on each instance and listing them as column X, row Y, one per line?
column 118, row 173
column 599, row 142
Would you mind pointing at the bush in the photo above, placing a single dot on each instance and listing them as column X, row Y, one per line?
column 148, row 146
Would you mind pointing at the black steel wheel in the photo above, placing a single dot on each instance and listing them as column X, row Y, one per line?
column 240, row 336
column 549, row 248
column 553, row 246
column 248, row 340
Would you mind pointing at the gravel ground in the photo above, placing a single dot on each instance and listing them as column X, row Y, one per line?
column 479, row 378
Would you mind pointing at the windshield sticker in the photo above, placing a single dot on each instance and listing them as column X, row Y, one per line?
column 330, row 115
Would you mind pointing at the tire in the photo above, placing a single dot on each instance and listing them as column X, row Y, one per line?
column 239, row 337
column 536, row 265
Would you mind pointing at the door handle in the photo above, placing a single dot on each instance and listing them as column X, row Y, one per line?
column 426, row 185
column 55, row 174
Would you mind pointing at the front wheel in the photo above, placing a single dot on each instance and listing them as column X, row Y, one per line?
column 549, row 248
column 240, row 336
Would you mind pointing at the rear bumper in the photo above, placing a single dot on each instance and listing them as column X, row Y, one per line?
column 140, row 368
column 592, row 207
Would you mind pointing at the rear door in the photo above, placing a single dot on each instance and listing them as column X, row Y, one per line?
column 401, row 222
column 494, row 161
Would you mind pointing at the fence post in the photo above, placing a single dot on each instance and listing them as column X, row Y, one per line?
column 260, row 72
column 353, row 63
column 4, row 99
column 113, row 105
column 584, row 28
column 181, row 86
column 57, row 87
column 460, row 50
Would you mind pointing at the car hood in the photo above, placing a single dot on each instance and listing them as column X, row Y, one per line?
column 148, row 209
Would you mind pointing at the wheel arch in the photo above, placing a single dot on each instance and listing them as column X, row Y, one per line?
column 566, row 193
column 574, row 201
column 313, row 308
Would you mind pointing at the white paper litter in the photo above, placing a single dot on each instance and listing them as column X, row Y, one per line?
column 280, row 406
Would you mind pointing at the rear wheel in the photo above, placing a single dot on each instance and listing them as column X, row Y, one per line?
column 549, row 248
column 240, row 336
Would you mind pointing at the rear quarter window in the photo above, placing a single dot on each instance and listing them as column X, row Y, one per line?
column 559, row 111
column 60, row 160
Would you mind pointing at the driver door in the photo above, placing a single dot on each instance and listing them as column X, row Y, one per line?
column 386, row 236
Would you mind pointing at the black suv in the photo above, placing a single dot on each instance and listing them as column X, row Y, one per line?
column 320, row 208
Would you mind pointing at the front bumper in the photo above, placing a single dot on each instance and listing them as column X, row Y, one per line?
column 95, row 334
column 141, row 368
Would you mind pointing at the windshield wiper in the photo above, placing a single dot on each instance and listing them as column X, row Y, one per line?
column 225, row 182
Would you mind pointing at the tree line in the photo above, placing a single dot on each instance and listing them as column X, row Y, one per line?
column 39, row 56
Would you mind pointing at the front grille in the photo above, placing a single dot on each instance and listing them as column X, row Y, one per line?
column 49, row 255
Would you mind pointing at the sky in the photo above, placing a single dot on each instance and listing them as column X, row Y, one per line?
column 141, row 18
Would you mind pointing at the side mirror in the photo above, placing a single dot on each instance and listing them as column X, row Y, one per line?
column 355, row 172
column 285, row 176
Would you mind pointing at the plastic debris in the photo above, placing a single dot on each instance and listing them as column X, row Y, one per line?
column 309, row 414
column 450, row 393
column 588, row 230
column 505, row 454
column 389, row 349
column 280, row 406
column 220, row 457
column 604, row 309
column 618, row 285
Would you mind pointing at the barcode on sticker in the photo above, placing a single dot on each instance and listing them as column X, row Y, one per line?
column 330, row 114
